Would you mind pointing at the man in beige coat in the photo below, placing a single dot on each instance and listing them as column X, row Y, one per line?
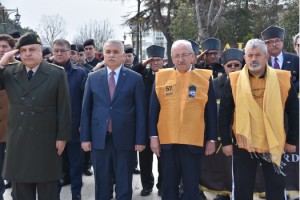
column 39, row 120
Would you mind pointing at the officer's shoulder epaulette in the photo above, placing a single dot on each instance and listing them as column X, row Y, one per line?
column 56, row 66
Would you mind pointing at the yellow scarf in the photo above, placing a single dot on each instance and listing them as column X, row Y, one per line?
column 259, row 129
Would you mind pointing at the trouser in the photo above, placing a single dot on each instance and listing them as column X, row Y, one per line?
column 109, row 161
column 27, row 191
column 178, row 163
column 146, row 160
column 75, row 155
column 87, row 161
column 244, row 171
column 2, row 154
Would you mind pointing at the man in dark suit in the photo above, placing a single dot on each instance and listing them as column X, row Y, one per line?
column 216, row 169
column 76, row 81
column 113, row 122
column 155, row 55
column 182, row 120
column 273, row 36
column 39, row 121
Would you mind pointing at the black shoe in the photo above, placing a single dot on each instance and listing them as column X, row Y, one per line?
column 77, row 197
column 136, row 171
column 222, row 197
column 7, row 185
column 202, row 196
column 65, row 181
column 88, row 172
column 146, row 192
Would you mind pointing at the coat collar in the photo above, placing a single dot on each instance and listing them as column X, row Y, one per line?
column 39, row 77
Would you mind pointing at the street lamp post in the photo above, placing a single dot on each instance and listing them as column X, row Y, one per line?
column 6, row 13
column 124, row 37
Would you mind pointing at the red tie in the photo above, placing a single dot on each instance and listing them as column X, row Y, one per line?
column 276, row 64
column 111, row 87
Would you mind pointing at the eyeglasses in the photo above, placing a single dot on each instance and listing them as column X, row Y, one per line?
column 56, row 51
column 183, row 56
column 276, row 42
column 230, row 65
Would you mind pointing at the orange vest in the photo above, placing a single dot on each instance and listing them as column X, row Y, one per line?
column 182, row 98
column 284, row 82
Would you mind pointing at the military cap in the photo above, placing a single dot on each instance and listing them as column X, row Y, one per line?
column 211, row 44
column 155, row 51
column 89, row 42
column 232, row 54
column 27, row 39
column 15, row 34
column 80, row 48
column 74, row 47
column 46, row 51
column 129, row 50
column 195, row 46
column 272, row 32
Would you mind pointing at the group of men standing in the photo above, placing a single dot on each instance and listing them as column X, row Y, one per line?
column 120, row 109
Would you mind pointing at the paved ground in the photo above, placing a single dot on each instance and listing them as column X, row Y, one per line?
column 88, row 189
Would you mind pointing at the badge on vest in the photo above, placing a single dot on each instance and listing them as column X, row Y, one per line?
column 192, row 91
column 169, row 90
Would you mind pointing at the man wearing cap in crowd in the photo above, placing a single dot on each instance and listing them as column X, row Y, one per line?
column 82, row 58
column 254, row 100
column 16, row 35
column 90, row 52
column 74, row 57
column 76, row 81
column 155, row 55
column 217, row 168
column 177, row 133
column 195, row 47
column 209, row 58
column 7, row 44
column 39, row 120
column 47, row 54
column 279, row 59
column 129, row 57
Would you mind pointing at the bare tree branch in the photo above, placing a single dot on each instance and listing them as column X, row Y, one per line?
column 51, row 27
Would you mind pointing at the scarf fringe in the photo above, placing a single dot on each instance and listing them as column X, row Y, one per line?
column 268, row 158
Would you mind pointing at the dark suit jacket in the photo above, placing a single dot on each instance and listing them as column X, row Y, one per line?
column 219, row 84
column 39, row 115
column 210, row 116
column 291, row 63
column 127, row 110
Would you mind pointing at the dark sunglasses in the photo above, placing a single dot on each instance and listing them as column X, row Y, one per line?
column 233, row 65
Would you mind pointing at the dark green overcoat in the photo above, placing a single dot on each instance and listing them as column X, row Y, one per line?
column 40, row 114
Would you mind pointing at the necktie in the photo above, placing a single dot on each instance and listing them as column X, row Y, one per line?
column 111, row 87
column 276, row 64
column 30, row 74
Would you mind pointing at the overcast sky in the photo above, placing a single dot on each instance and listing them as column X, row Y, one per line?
column 74, row 12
